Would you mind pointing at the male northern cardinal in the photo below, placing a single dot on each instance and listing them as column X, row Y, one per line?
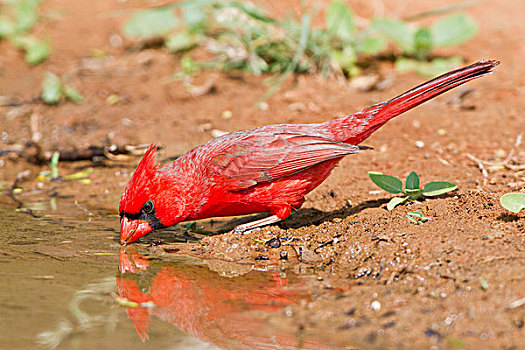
column 266, row 169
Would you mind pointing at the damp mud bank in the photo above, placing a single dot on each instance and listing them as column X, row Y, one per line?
column 343, row 272
column 69, row 284
column 360, row 279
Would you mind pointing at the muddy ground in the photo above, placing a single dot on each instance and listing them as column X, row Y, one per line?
column 382, row 281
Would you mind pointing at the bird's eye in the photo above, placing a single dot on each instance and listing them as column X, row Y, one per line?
column 148, row 207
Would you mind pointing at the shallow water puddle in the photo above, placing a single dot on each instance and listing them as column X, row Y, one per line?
column 68, row 284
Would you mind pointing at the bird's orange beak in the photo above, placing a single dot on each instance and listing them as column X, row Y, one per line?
column 132, row 230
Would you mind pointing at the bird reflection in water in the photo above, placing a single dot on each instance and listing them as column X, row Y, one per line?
column 231, row 313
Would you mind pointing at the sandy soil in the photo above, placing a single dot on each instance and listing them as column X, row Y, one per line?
column 426, row 279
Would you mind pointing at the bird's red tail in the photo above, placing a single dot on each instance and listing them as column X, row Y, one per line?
column 355, row 128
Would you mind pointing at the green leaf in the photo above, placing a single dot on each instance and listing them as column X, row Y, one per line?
column 405, row 65
column 340, row 20
column 151, row 23
column 418, row 215
column 395, row 202
column 257, row 65
column 195, row 17
column 181, row 42
column 437, row 188
column 513, row 202
column 422, row 43
column 453, row 30
column 433, row 68
column 371, row 46
column 388, row 183
column 37, row 52
column 26, row 15
column 397, row 31
column 412, row 181
column 54, row 165
column 51, row 88
column 79, row 175
column 189, row 66
column 413, row 194
column 7, row 28
column 21, row 42
column 73, row 94
column 345, row 59
column 484, row 284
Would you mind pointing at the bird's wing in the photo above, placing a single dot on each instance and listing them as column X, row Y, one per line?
column 260, row 158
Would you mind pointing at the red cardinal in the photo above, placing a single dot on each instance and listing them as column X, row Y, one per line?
column 266, row 169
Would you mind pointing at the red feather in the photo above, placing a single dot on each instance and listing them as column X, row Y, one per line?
column 141, row 185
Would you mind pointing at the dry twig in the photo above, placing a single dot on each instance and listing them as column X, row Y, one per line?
column 509, row 162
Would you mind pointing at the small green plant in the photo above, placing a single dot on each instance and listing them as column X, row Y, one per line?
column 53, row 89
column 484, row 284
column 17, row 18
column 412, row 188
column 52, row 173
column 418, row 42
column 513, row 202
column 241, row 35
column 417, row 217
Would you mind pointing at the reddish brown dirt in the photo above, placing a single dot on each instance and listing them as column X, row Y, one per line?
column 425, row 277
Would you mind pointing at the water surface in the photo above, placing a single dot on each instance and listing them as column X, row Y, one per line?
column 69, row 285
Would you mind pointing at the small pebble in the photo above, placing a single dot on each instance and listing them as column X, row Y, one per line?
column 218, row 133
column 115, row 40
column 376, row 305
column 420, row 144
column 500, row 153
column 273, row 243
column 263, row 106
column 227, row 114
column 350, row 312
column 296, row 107
column 112, row 99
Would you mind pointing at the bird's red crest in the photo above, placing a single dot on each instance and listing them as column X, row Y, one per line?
column 140, row 186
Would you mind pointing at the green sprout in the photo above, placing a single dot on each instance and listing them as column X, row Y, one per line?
column 17, row 19
column 418, row 43
column 241, row 35
column 412, row 188
column 513, row 202
column 417, row 217
column 484, row 284
column 53, row 89
column 52, row 174
column 54, row 165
